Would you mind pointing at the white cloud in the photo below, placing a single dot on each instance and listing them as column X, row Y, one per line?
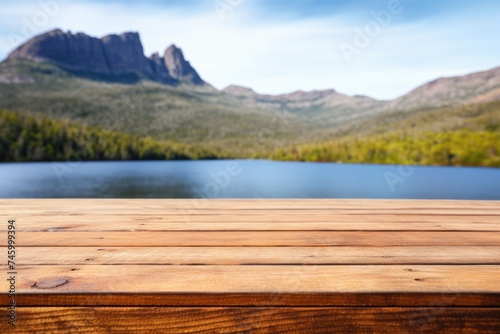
column 280, row 56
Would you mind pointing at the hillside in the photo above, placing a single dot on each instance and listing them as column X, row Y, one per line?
column 466, row 136
column 186, row 114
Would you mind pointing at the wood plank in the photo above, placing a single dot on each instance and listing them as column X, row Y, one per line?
column 81, row 225
column 161, row 279
column 258, row 255
column 231, row 216
column 249, row 204
column 87, row 222
column 254, row 238
column 103, row 210
column 255, row 320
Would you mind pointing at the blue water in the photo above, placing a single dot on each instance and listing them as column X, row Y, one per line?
column 243, row 179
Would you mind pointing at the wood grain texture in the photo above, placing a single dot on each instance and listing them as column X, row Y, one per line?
column 254, row 238
column 257, row 320
column 259, row 255
column 275, row 299
column 258, row 279
column 265, row 213
column 87, row 223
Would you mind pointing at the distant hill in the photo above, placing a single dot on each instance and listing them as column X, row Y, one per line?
column 474, row 88
column 323, row 107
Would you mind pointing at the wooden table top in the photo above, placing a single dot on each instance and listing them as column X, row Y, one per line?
column 302, row 255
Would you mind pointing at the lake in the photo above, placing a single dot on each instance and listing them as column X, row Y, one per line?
column 244, row 179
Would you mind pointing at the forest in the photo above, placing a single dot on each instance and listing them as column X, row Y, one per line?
column 26, row 137
column 449, row 148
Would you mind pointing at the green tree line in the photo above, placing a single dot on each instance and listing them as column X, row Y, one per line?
column 458, row 148
column 26, row 137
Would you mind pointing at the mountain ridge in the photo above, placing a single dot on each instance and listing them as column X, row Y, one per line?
column 449, row 91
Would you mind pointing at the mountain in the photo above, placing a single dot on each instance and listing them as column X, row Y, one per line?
column 477, row 87
column 120, row 57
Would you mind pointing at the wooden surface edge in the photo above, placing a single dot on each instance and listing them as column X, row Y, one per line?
column 255, row 320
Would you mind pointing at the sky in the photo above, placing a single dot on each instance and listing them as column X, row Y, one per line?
column 378, row 48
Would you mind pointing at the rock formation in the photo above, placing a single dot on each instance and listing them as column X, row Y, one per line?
column 111, row 55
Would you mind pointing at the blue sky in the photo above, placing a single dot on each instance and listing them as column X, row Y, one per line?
column 377, row 48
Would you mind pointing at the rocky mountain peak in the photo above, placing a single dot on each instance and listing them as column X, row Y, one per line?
column 111, row 55
column 178, row 67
